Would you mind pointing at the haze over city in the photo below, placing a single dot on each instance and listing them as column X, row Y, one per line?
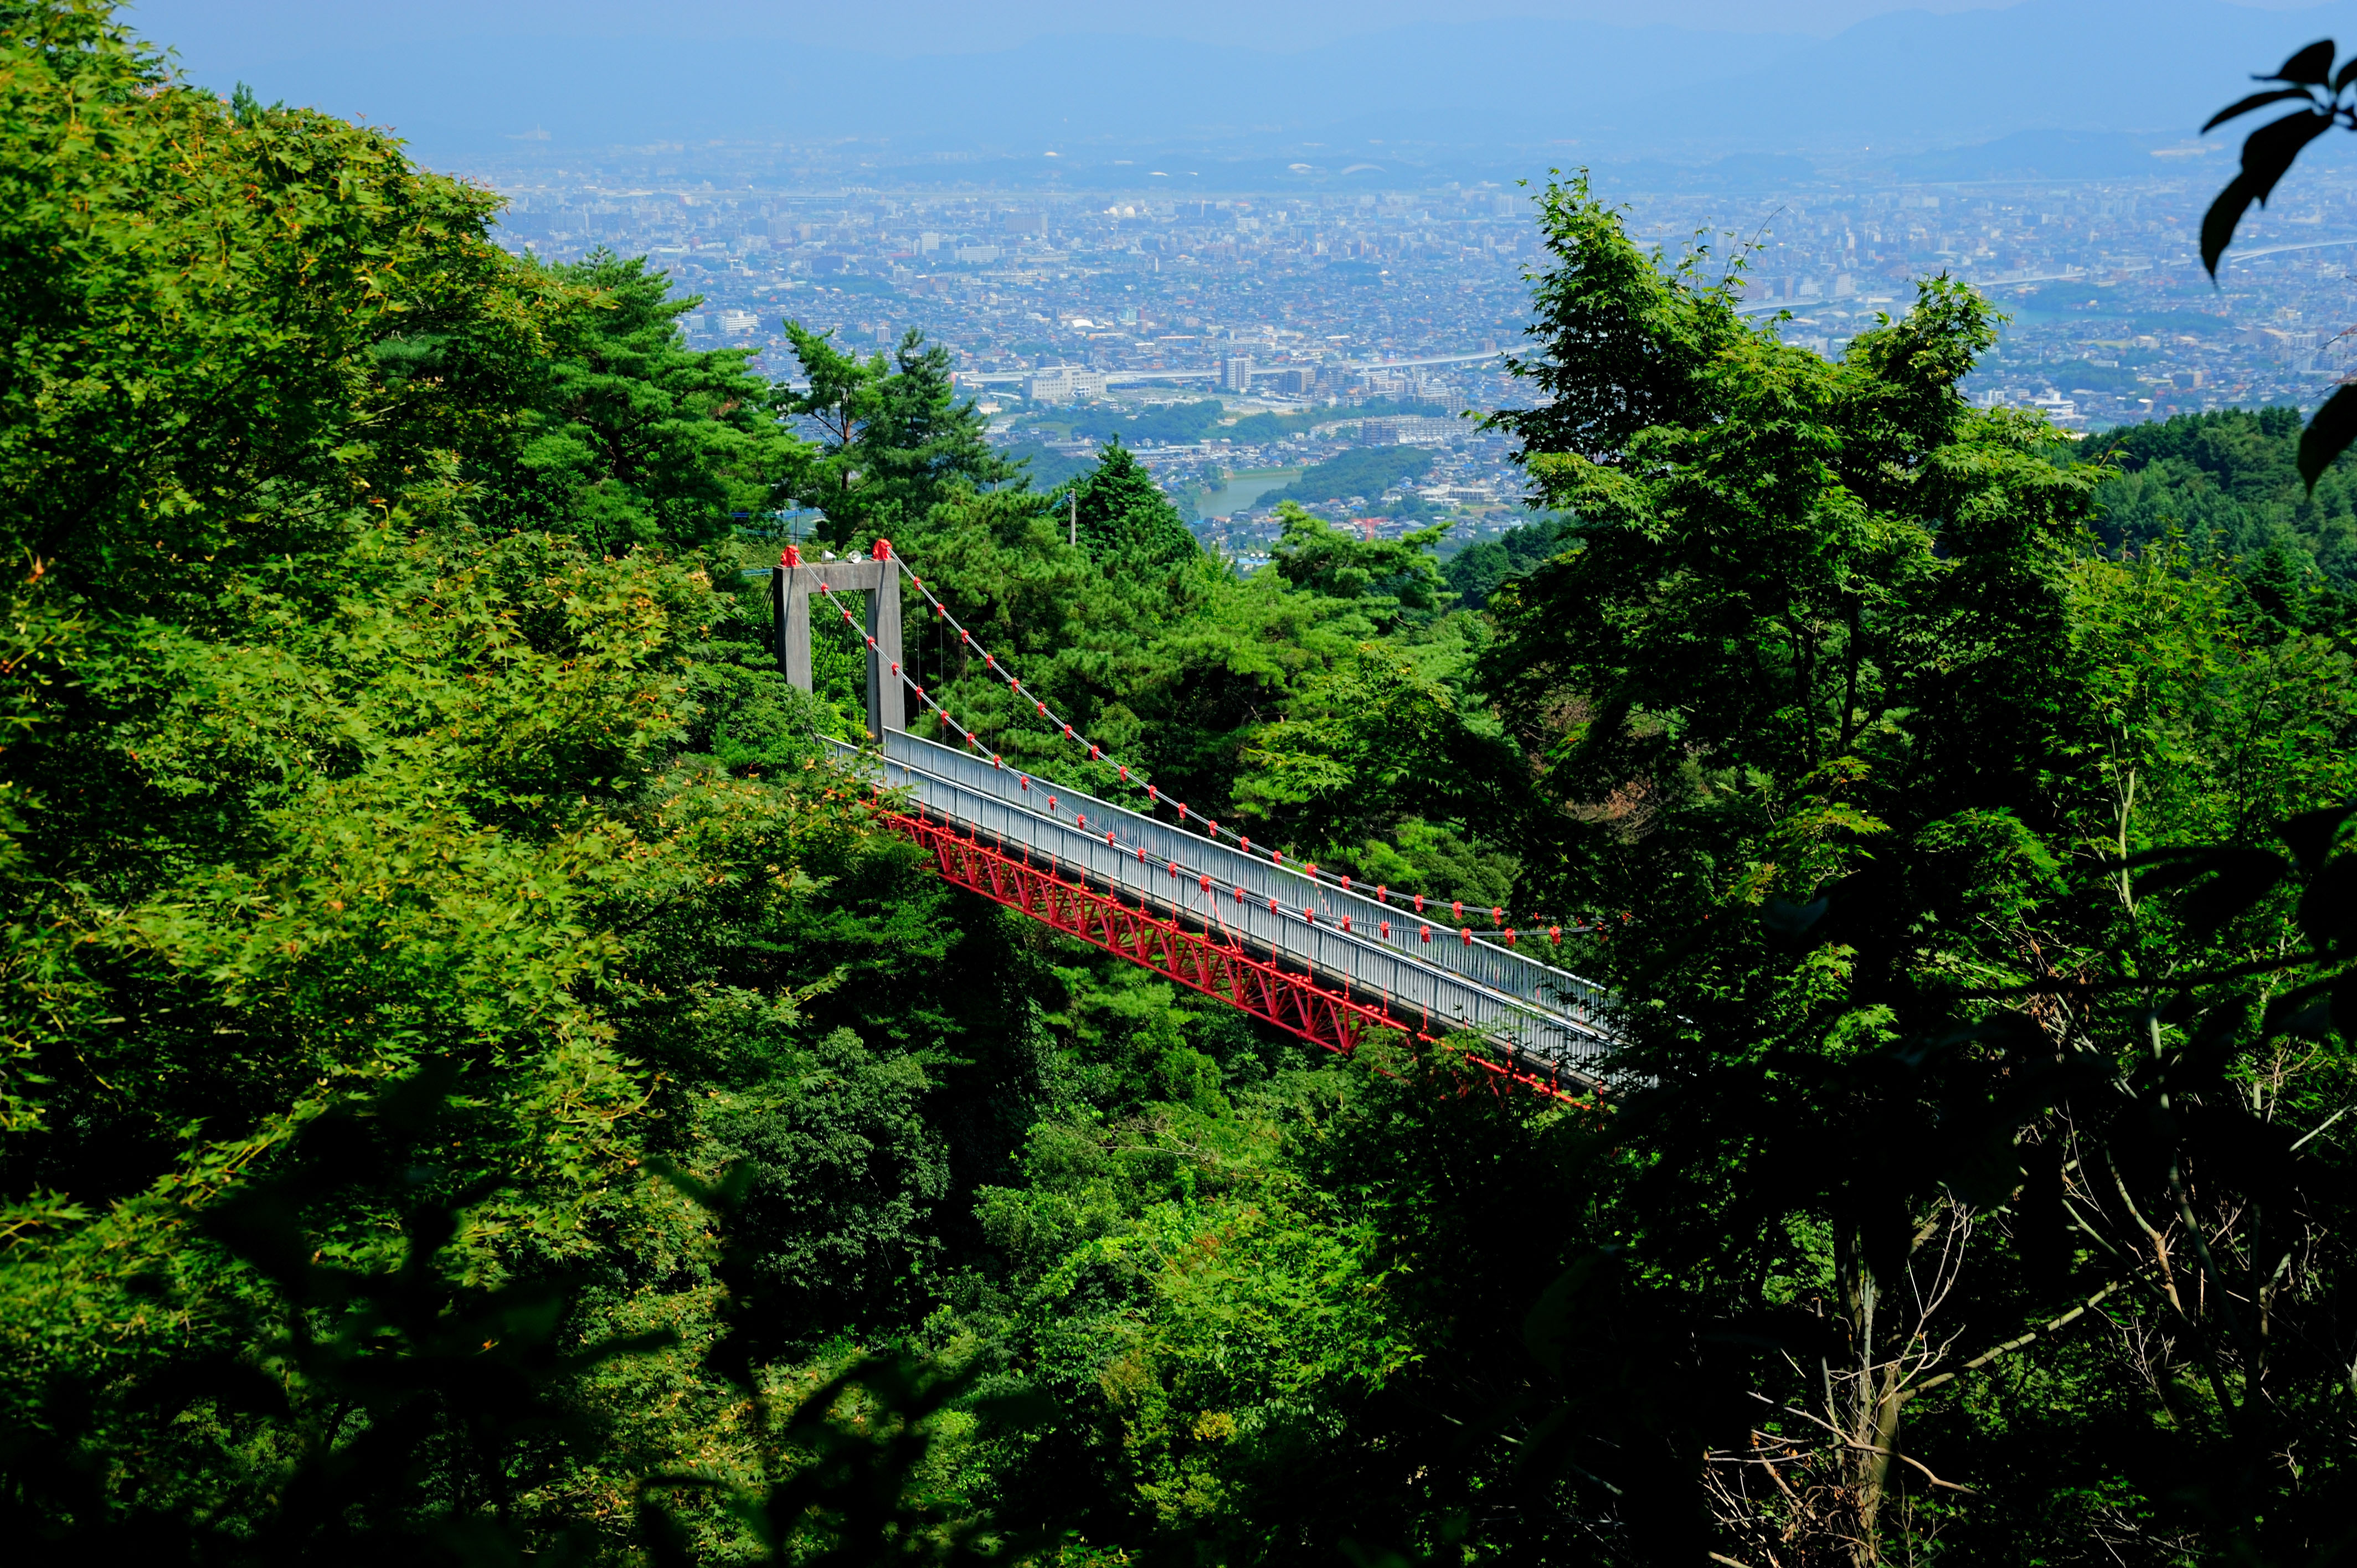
column 1304, row 211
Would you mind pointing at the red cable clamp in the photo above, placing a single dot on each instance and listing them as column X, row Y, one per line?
column 1419, row 903
column 881, row 550
column 1125, row 773
column 1380, row 891
column 1456, row 909
column 1497, row 917
column 1082, row 820
column 1387, row 927
column 1152, row 793
column 1204, row 882
column 1310, row 915
column 1272, row 905
column 1554, row 934
column 792, row 557
column 1427, row 933
column 1510, row 939
column 1468, row 936
column 1346, row 922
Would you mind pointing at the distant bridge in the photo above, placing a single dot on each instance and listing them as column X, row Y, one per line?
column 1320, row 956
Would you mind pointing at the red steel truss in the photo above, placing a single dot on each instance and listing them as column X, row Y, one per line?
column 1206, row 961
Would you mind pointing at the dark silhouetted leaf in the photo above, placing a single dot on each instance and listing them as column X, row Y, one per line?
column 2270, row 149
column 2311, row 833
column 2218, row 223
column 2312, row 65
column 2327, row 910
column 2176, row 870
column 1793, row 920
column 2328, row 435
column 2255, row 101
column 2244, row 877
column 2306, row 1010
column 2203, row 1061
column 2010, row 1030
column 1550, row 1326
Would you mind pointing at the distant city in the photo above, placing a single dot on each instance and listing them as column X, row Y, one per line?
column 1379, row 318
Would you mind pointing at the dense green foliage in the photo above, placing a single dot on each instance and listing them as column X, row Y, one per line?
column 897, row 440
column 2228, row 485
column 1480, row 568
column 1123, row 519
column 1171, row 423
column 1366, row 471
column 479, row 1088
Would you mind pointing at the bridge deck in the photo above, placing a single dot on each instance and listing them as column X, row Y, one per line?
column 1427, row 977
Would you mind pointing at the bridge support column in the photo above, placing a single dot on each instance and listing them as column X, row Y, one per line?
column 793, row 585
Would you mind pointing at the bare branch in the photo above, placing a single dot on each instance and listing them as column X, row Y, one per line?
column 1986, row 1357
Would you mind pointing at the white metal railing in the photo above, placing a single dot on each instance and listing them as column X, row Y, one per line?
column 1431, row 975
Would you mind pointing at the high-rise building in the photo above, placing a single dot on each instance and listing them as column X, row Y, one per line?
column 1297, row 379
column 1235, row 373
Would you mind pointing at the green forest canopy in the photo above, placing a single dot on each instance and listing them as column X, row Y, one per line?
column 479, row 1086
column 1366, row 471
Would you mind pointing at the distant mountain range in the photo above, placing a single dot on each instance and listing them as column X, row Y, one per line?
column 2048, row 88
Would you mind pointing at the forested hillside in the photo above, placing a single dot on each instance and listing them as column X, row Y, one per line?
column 480, row 1089
column 2228, row 486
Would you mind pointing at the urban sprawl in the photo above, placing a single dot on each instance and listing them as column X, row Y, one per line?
column 1241, row 341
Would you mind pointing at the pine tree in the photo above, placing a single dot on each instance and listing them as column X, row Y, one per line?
column 1123, row 515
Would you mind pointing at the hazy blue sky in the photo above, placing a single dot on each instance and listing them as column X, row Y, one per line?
column 263, row 30
column 467, row 79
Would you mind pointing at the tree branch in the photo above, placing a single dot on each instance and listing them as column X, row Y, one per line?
column 1986, row 1357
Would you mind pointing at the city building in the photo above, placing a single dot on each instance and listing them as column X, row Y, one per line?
column 1062, row 383
column 1235, row 373
column 1412, row 430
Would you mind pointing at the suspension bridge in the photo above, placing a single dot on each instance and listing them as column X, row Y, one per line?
column 1319, row 955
